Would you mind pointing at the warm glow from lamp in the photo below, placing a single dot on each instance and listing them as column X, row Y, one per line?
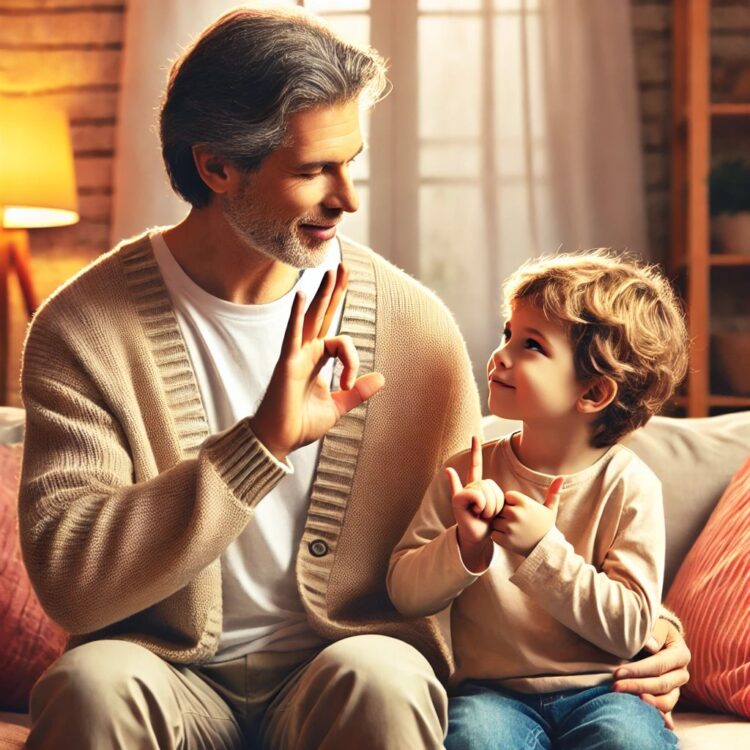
column 37, row 180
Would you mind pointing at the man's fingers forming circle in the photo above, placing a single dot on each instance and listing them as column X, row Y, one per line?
column 362, row 389
column 293, row 334
column 342, row 280
column 343, row 348
column 318, row 306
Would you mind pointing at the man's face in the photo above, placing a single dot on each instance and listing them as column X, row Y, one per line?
column 289, row 208
column 532, row 373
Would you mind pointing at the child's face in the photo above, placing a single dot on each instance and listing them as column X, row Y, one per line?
column 532, row 374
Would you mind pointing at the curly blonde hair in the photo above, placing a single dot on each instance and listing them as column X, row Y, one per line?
column 623, row 321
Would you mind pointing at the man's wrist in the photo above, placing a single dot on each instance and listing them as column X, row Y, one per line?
column 672, row 619
column 264, row 436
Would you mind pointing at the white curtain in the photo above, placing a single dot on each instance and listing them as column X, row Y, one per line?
column 512, row 129
column 596, row 159
column 155, row 34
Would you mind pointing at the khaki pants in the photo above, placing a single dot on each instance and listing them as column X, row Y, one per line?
column 365, row 692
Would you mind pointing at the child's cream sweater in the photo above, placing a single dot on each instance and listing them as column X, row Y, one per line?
column 583, row 601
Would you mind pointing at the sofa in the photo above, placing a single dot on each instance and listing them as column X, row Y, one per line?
column 694, row 458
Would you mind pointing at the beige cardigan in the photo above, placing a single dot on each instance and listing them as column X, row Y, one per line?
column 126, row 503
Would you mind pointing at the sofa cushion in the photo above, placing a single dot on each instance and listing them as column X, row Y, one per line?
column 712, row 597
column 704, row 731
column 30, row 640
column 694, row 459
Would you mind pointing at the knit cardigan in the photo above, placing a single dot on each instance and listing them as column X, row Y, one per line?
column 126, row 503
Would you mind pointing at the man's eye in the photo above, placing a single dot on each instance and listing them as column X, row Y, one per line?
column 534, row 345
column 310, row 175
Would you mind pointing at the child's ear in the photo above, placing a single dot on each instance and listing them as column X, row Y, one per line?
column 599, row 394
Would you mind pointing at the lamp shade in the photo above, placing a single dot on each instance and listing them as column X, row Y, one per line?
column 37, row 180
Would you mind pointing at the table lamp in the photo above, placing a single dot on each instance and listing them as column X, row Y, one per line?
column 37, row 189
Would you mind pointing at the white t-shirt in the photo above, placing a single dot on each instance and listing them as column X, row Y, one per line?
column 234, row 349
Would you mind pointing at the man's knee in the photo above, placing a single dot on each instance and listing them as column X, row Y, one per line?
column 383, row 667
column 367, row 690
column 93, row 677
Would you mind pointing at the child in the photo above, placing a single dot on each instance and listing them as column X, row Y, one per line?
column 552, row 553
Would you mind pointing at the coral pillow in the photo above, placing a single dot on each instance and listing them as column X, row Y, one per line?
column 711, row 594
column 29, row 640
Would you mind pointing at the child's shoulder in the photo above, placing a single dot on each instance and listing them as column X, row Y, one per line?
column 625, row 465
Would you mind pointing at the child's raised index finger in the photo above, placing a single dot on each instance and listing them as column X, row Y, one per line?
column 475, row 466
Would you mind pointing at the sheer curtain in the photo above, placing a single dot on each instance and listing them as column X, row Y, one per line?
column 155, row 34
column 512, row 129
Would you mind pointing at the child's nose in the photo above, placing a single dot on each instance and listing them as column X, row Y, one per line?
column 501, row 357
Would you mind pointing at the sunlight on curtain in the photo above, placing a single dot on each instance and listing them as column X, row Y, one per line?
column 527, row 138
column 483, row 177
column 155, row 34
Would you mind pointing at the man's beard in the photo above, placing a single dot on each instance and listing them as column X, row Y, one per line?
column 275, row 238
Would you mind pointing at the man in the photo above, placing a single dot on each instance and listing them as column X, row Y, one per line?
column 207, row 506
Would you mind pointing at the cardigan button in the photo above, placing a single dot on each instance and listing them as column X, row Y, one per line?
column 318, row 548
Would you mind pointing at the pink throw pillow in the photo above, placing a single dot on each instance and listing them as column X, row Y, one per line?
column 711, row 595
column 29, row 640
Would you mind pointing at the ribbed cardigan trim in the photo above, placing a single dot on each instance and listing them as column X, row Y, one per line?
column 239, row 457
column 154, row 307
column 339, row 451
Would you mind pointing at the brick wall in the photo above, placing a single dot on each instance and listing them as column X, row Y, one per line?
column 652, row 29
column 730, row 56
column 66, row 52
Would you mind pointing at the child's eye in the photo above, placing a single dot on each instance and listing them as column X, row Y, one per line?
column 506, row 334
column 534, row 345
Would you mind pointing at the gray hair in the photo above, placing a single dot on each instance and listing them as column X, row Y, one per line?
column 234, row 88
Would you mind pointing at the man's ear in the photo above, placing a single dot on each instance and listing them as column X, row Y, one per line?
column 216, row 172
column 599, row 394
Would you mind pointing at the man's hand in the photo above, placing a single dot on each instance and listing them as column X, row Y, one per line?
column 523, row 521
column 474, row 507
column 658, row 678
column 298, row 407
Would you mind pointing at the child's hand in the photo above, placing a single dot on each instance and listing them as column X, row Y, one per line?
column 523, row 521
column 474, row 507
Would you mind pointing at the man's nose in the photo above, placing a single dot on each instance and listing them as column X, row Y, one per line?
column 343, row 195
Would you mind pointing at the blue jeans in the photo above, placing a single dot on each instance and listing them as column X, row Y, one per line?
column 484, row 717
